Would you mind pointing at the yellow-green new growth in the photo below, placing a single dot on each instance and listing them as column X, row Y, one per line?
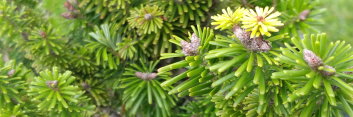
column 262, row 21
column 228, row 19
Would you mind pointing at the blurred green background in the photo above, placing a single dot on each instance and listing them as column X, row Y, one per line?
column 339, row 19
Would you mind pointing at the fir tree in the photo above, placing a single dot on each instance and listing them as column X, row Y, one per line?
column 166, row 58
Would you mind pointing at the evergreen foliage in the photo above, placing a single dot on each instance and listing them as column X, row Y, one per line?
column 166, row 58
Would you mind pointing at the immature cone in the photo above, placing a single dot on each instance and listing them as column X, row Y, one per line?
column 43, row 34
column 11, row 72
column 304, row 14
column 148, row 16
column 253, row 44
column 313, row 61
column 146, row 76
column 52, row 84
column 69, row 15
column 72, row 12
column 191, row 49
column 69, row 6
column 241, row 34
